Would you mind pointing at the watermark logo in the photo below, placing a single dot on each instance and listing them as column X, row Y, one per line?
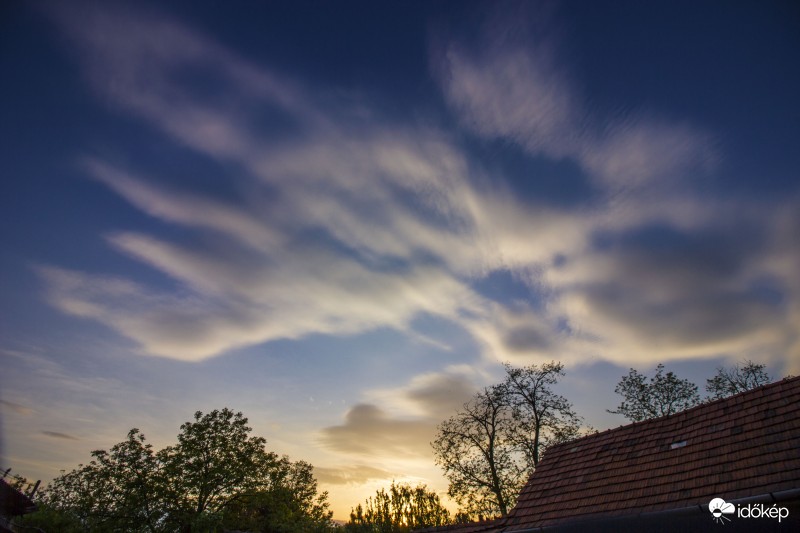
column 719, row 508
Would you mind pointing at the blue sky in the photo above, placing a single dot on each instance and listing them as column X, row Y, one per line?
column 340, row 218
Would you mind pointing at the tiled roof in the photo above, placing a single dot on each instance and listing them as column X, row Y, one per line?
column 743, row 446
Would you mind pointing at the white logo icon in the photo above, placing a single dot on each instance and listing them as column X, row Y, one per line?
column 719, row 508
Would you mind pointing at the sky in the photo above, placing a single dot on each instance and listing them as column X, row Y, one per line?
column 340, row 218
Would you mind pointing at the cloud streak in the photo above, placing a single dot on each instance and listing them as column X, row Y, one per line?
column 351, row 475
column 515, row 87
column 342, row 221
column 385, row 218
column 59, row 435
column 16, row 408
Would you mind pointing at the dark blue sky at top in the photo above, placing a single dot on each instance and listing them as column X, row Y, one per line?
column 731, row 68
column 734, row 69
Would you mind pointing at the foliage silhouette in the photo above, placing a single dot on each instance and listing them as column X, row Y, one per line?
column 663, row 394
column 217, row 477
column 401, row 509
column 739, row 378
column 490, row 447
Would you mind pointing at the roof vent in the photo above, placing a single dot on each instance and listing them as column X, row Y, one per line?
column 675, row 445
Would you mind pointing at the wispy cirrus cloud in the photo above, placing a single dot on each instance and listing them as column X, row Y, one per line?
column 515, row 86
column 342, row 221
column 671, row 294
column 661, row 270
column 384, row 217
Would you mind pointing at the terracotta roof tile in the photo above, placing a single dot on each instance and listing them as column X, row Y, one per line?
column 742, row 446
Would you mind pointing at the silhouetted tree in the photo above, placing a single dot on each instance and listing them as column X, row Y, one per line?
column 479, row 457
column 739, row 378
column 489, row 448
column 291, row 503
column 544, row 417
column 119, row 490
column 216, row 477
column 215, row 461
column 401, row 509
column 663, row 394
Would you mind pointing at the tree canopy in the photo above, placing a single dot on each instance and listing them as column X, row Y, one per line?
column 215, row 462
column 739, row 378
column 489, row 448
column 400, row 509
column 119, row 490
column 217, row 477
column 663, row 394
column 544, row 417
column 479, row 457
